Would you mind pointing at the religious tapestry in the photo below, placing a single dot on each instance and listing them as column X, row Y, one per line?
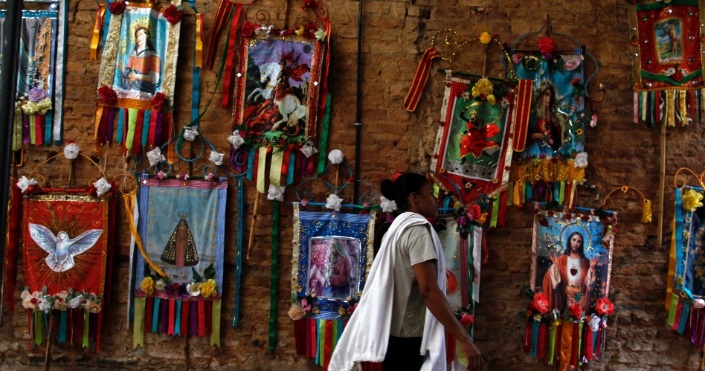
column 553, row 161
column 137, row 75
column 331, row 259
column 178, row 272
column 668, row 70
column 570, row 280
column 68, row 241
column 686, row 290
column 40, row 76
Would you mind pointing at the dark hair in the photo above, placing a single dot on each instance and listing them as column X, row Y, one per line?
column 400, row 189
column 149, row 45
column 582, row 243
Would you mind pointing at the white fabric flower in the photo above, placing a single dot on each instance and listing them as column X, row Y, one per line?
column 155, row 156
column 71, row 151
column 334, row 202
column 264, row 30
column 27, row 302
column 236, row 140
column 190, row 133
column 101, row 186
column 308, row 149
column 581, row 160
column 45, row 305
column 24, row 183
column 60, row 301
column 388, row 205
column 159, row 285
column 216, row 158
column 698, row 303
column 669, row 71
column 194, row 288
column 275, row 193
column 595, row 323
column 336, row 156
column 76, row 302
column 320, row 34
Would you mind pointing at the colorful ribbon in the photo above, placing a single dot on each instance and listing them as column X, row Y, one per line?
column 275, row 277
column 420, row 78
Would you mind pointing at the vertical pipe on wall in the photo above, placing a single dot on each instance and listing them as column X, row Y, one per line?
column 358, row 104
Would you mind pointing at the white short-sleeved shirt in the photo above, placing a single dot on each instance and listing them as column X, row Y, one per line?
column 414, row 246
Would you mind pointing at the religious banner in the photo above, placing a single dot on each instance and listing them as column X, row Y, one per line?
column 68, row 241
column 668, row 70
column 137, row 75
column 178, row 272
column 686, row 290
column 331, row 259
column 570, row 281
column 40, row 76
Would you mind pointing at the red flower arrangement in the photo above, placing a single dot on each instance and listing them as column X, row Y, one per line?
column 310, row 29
column 575, row 310
column 107, row 94
column 467, row 319
column 248, row 29
column 547, row 45
column 540, row 303
column 604, row 306
column 117, row 7
column 172, row 14
column 158, row 101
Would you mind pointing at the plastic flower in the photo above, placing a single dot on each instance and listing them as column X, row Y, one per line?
column 575, row 310
column 45, row 305
column 296, row 312
column 604, row 306
column 190, row 133
column 194, row 288
column 23, row 184
column 172, row 14
column 388, row 205
column 37, row 95
column 547, row 45
column 102, row 186
column 76, row 302
column 248, row 29
column 481, row 219
column 159, row 285
column 276, row 193
column 236, row 140
column 594, row 323
column 308, row 149
column 155, row 156
column 30, row 300
column 208, row 288
column 485, row 38
column 117, row 7
column 482, row 87
column 698, row 303
column 581, row 160
column 147, row 285
column 334, row 202
column 691, row 200
column 71, row 151
column 540, row 303
column 92, row 305
column 60, row 300
column 467, row 319
column 158, row 101
column 473, row 212
column 336, row 156
column 107, row 94
column 320, row 34
column 216, row 158
column 161, row 175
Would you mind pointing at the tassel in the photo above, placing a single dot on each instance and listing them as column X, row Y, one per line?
column 646, row 215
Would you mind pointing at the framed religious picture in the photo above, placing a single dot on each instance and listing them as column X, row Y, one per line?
column 137, row 75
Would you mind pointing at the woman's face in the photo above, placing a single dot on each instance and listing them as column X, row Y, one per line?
column 425, row 203
column 576, row 243
column 141, row 37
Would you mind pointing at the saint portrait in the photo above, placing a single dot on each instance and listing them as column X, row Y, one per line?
column 333, row 266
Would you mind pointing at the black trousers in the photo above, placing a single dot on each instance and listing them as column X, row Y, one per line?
column 403, row 354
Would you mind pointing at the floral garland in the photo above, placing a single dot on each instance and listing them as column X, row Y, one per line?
column 38, row 101
column 307, row 306
column 467, row 217
column 538, row 309
column 200, row 286
column 63, row 300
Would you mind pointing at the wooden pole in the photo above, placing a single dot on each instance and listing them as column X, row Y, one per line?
column 662, row 186
column 252, row 225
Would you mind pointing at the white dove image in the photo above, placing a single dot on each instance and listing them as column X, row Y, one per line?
column 61, row 248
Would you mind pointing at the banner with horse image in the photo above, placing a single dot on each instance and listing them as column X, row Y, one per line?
column 276, row 104
column 137, row 76
column 178, row 271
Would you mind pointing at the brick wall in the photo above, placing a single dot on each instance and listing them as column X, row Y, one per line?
column 395, row 34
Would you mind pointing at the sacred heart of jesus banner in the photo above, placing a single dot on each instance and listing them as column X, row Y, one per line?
column 68, row 238
column 178, row 272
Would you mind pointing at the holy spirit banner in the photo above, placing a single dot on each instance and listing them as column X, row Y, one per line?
column 68, row 240
column 178, row 272
column 137, row 75
column 570, row 281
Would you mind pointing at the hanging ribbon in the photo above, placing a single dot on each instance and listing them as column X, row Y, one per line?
column 13, row 232
column 552, row 342
column 138, row 331
column 324, row 138
column 177, row 319
column 224, row 9
column 86, row 327
column 673, row 256
column 419, row 80
column 199, row 41
column 155, row 315
column 231, row 53
column 275, row 277
column 196, row 78
column 239, row 238
column 130, row 201
column 275, row 168
column 63, row 320
column 96, row 32
column 38, row 327
column 522, row 113
column 215, row 323
column 566, row 345
column 261, row 166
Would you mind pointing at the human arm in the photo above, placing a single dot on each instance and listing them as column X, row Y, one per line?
column 436, row 302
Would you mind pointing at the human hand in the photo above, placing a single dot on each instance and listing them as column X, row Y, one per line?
column 474, row 356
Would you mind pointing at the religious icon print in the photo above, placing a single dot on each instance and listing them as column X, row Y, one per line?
column 332, row 272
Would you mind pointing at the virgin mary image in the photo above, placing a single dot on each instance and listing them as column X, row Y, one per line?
column 180, row 250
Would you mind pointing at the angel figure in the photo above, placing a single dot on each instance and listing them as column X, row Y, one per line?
column 61, row 248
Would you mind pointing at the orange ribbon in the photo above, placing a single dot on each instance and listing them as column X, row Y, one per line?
column 199, row 40
column 96, row 32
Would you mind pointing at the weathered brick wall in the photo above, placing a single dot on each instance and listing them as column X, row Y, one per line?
column 395, row 34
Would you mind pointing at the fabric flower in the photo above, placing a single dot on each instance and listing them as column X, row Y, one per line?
column 571, row 62
column 334, row 202
column 296, row 312
column 463, row 220
column 159, row 285
column 546, row 45
column 236, row 140
column 216, row 158
column 305, row 305
column 481, row 219
column 275, row 193
column 92, row 305
column 30, row 300
column 194, row 288
column 208, row 289
column 248, row 29
column 23, row 184
column 320, row 34
column 210, row 176
column 45, row 305
column 172, row 14
column 117, row 7
column 102, row 186
column 107, row 94
column 161, row 175
column 581, row 160
column 60, row 301
column 388, row 205
column 698, row 303
column 482, row 87
column 37, row 95
column 308, row 149
column 71, row 151
column 76, row 302
column 485, row 38
column 575, row 310
column 540, row 303
column 155, row 156
column 691, row 200
column 41, row 107
column 147, row 285
column 190, row 133
column 467, row 319
column 158, row 101
column 473, row 212
column 336, row 156
column 594, row 323
column 604, row 306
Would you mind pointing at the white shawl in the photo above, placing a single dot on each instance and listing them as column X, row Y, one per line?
column 366, row 335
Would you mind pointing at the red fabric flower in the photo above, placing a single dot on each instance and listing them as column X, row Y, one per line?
column 678, row 76
column 172, row 14
column 467, row 319
column 107, row 94
column 575, row 81
column 310, row 29
column 540, row 303
column 309, row 4
column 158, row 101
column 473, row 212
column 248, row 29
column 546, row 45
column 604, row 306
column 575, row 310
column 117, row 7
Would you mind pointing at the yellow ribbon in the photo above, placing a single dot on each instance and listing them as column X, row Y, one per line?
column 130, row 200
column 199, row 40
column 96, row 32
column 138, row 331
column 566, row 345
column 684, row 107
column 671, row 96
column 275, row 169
column 261, row 167
column 215, row 323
